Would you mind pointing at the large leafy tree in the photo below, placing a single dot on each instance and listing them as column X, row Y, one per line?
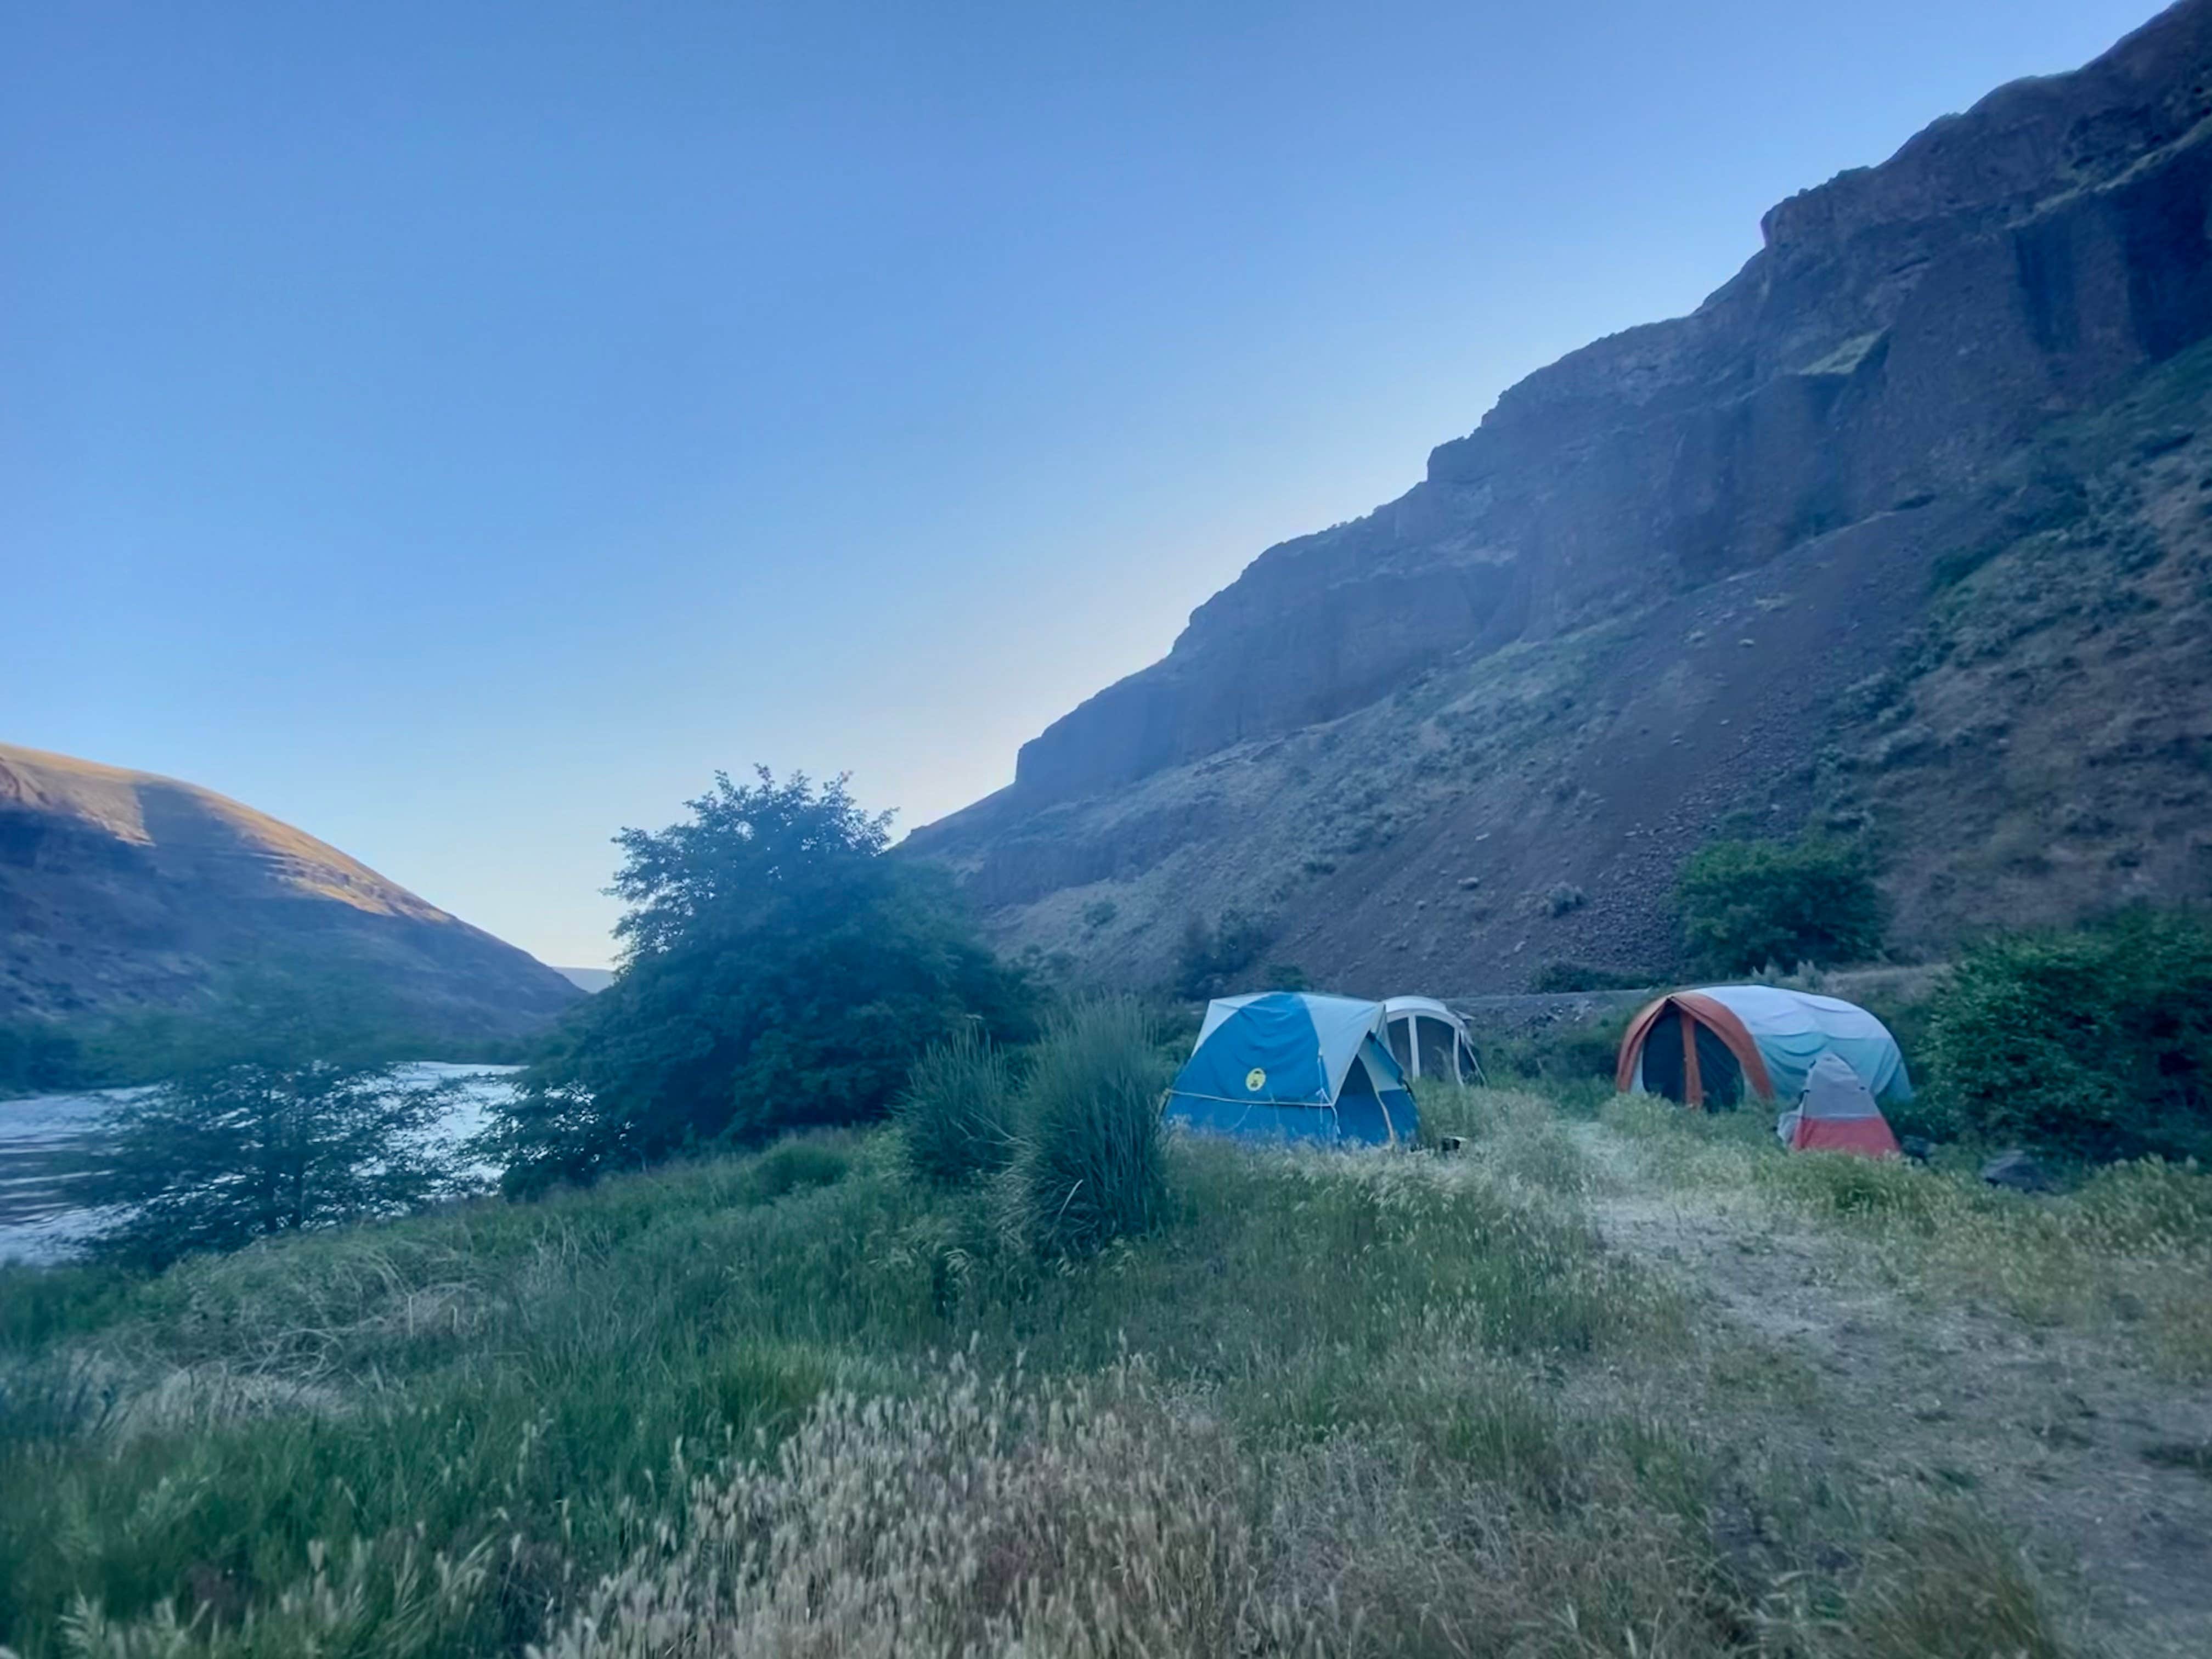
column 781, row 970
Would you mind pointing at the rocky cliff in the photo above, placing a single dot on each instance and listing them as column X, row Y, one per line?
column 121, row 892
column 1675, row 582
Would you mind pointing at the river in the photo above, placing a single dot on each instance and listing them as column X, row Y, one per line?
column 46, row 1142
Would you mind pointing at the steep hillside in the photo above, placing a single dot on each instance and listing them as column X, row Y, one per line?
column 1902, row 526
column 120, row 891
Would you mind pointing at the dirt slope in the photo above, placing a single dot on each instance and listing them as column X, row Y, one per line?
column 1904, row 530
column 121, row 890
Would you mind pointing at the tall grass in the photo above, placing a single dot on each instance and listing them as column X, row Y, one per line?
column 1516, row 1133
column 1360, row 1404
column 1087, row 1169
column 956, row 1114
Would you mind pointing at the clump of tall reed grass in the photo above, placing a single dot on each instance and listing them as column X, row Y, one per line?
column 957, row 1116
column 1087, row 1168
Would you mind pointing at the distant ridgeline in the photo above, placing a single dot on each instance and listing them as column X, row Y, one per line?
column 130, row 903
column 1902, row 534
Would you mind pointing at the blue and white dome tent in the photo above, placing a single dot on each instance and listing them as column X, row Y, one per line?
column 1294, row 1065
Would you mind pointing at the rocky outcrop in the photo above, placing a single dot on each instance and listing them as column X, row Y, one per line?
column 1902, row 326
column 1903, row 530
column 122, row 891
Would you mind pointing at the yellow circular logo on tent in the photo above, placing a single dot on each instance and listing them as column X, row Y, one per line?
column 1255, row 1080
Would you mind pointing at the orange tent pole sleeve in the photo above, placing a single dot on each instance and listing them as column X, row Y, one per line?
column 1632, row 1044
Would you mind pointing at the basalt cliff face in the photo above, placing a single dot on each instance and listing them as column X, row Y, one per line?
column 121, row 892
column 1701, row 575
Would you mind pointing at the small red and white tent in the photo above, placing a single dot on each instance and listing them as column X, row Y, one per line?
column 1837, row 1113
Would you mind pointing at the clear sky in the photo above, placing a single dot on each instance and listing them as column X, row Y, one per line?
column 458, row 429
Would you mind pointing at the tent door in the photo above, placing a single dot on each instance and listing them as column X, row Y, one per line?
column 1359, row 1112
column 1685, row 1060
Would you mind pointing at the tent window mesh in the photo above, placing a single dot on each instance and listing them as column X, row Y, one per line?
column 1437, row 1041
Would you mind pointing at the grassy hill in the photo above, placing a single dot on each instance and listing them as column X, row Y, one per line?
column 1628, row 1385
column 123, row 894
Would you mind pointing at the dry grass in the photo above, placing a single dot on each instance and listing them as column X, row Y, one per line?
column 2127, row 1253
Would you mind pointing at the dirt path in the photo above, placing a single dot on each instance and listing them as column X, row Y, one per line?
column 2100, row 1466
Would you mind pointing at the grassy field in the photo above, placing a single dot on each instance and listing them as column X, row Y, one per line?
column 1537, row 1399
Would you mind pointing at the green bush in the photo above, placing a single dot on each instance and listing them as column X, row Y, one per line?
column 822, row 1159
column 1211, row 955
column 784, row 973
column 1554, row 1052
column 956, row 1117
column 1555, row 977
column 38, row 1058
column 228, row 1154
column 1746, row 904
column 1088, row 1169
column 2096, row 1043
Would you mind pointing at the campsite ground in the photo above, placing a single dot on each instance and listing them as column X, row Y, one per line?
column 1611, row 1382
column 2086, row 1429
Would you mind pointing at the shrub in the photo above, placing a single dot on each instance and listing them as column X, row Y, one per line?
column 36, row 1058
column 2096, row 1042
column 1554, row 1052
column 955, row 1118
column 1562, row 976
column 1747, row 903
column 822, row 1159
column 281, row 1116
column 250, row 1150
column 1211, row 955
column 1100, row 913
column 1088, row 1167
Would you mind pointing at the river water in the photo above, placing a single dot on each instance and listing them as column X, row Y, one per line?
column 48, row 1141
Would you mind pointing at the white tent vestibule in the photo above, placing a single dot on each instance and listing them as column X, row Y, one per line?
column 1428, row 1040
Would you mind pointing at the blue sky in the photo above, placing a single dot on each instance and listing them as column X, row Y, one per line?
column 458, row 428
